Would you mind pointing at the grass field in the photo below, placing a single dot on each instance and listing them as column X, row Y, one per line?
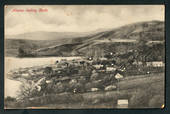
column 144, row 91
column 143, row 81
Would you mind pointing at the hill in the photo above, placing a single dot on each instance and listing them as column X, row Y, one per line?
column 122, row 39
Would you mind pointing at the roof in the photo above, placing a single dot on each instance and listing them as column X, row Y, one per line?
column 64, row 78
column 122, row 101
column 118, row 76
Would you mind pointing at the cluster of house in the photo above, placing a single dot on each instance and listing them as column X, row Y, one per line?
column 64, row 63
column 36, row 74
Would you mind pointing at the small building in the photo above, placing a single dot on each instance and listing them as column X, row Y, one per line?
column 118, row 76
column 155, row 64
column 102, row 58
column 25, row 75
column 98, row 66
column 108, row 69
column 64, row 79
column 110, row 87
column 122, row 103
column 48, row 81
column 73, row 81
column 94, row 89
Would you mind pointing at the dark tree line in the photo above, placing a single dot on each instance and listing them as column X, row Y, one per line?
column 23, row 52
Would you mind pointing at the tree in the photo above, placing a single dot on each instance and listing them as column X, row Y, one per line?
column 8, row 99
column 94, row 76
column 142, row 50
column 21, row 52
column 110, row 55
column 48, row 70
column 27, row 91
column 25, row 51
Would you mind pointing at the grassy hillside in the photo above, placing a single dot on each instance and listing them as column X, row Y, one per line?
column 122, row 39
column 12, row 45
column 145, row 91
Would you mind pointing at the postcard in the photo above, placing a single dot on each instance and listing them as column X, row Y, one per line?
column 84, row 56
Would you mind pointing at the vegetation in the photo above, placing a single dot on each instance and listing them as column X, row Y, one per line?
column 157, row 101
column 142, row 91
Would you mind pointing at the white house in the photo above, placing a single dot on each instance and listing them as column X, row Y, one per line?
column 94, row 89
column 122, row 103
column 110, row 87
column 103, row 58
column 155, row 64
column 110, row 69
column 98, row 66
column 118, row 76
column 25, row 74
column 48, row 81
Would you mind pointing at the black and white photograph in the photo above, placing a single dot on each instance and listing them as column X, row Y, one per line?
column 84, row 56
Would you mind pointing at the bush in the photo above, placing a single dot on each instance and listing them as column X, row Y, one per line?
column 82, row 80
column 85, row 72
column 94, row 76
column 8, row 99
column 110, row 96
column 9, row 102
column 53, row 99
column 88, row 86
column 97, row 84
column 27, row 90
column 59, row 87
column 94, row 84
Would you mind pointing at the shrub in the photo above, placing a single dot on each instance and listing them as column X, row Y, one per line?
column 94, row 84
column 82, row 80
column 110, row 96
column 10, row 102
column 97, row 84
column 8, row 99
column 59, row 88
column 48, row 70
column 53, row 99
column 85, row 72
column 27, row 90
column 94, row 76
column 88, row 86
column 106, row 80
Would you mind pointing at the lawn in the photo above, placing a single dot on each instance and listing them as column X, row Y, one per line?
column 144, row 91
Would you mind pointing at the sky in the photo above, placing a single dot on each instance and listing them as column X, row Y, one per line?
column 76, row 18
